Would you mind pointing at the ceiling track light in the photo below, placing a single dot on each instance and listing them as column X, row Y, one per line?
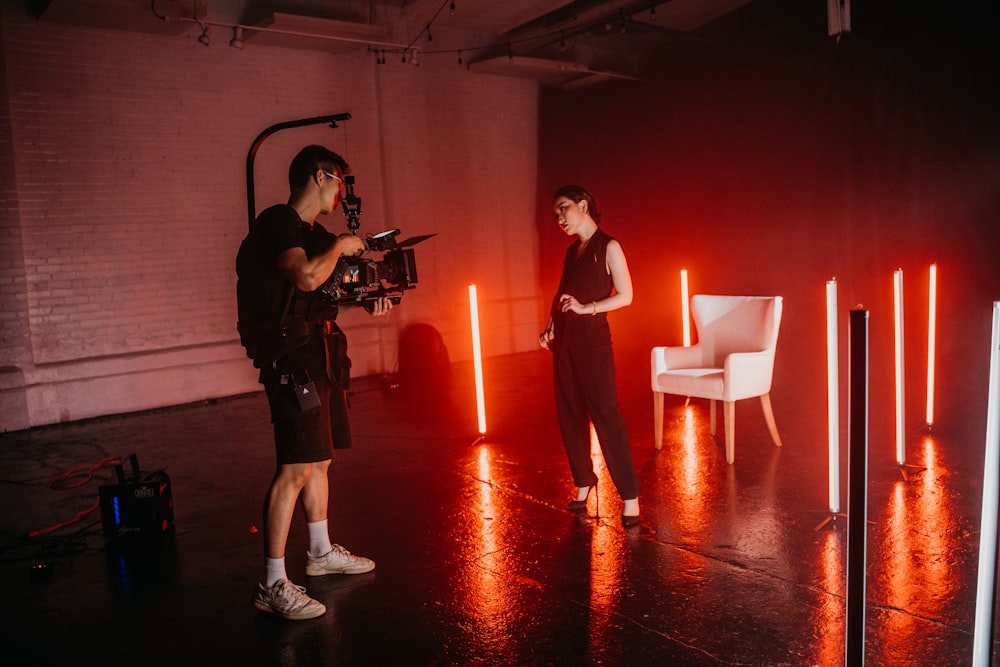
column 206, row 35
column 237, row 41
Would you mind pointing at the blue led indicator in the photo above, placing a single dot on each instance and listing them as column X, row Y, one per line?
column 118, row 518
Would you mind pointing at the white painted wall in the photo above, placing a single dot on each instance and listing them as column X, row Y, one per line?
column 123, row 202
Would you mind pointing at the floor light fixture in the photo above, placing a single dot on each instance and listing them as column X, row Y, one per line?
column 833, row 395
column 982, row 642
column 685, row 308
column 931, row 340
column 477, row 358
column 897, row 300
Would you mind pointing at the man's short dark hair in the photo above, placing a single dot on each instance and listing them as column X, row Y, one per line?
column 309, row 160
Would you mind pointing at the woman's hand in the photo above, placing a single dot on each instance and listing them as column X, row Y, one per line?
column 546, row 337
column 569, row 303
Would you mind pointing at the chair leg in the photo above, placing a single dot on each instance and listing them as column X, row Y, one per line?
column 765, row 402
column 729, row 409
column 711, row 415
column 658, row 419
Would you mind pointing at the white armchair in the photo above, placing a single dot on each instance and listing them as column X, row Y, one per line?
column 732, row 360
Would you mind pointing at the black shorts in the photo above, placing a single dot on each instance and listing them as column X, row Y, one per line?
column 312, row 435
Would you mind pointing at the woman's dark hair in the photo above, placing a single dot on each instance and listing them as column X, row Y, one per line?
column 577, row 194
column 309, row 160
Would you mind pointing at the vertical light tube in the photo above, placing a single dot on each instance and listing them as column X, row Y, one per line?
column 897, row 282
column 685, row 308
column 477, row 358
column 982, row 641
column 931, row 340
column 832, row 393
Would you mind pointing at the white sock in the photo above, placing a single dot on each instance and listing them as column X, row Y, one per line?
column 319, row 538
column 274, row 570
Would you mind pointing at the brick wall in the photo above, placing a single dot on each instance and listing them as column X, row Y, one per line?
column 14, row 353
column 124, row 201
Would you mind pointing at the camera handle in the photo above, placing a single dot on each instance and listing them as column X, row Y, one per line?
column 351, row 205
column 332, row 120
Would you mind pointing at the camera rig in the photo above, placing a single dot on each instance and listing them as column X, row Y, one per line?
column 360, row 280
column 355, row 280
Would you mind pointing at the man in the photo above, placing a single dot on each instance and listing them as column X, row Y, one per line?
column 285, row 257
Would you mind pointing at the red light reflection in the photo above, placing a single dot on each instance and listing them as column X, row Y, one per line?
column 828, row 616
column 608, row 556
column 913, row 571
column 488, row 600
column 698, row 488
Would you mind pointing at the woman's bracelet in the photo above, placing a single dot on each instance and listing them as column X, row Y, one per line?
column 594, row 304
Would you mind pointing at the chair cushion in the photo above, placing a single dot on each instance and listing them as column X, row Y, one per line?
column 727, row 324
column 695, row 382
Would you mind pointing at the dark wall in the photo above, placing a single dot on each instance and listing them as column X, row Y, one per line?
column 772, row 170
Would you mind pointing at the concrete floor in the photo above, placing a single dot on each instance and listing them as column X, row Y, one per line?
column 478, row 561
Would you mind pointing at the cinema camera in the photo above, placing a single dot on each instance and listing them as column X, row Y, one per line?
column 363, row 280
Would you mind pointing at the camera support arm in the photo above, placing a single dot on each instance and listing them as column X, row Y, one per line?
column 255, row 146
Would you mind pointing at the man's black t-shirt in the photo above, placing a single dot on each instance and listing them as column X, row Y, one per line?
column 276, row 230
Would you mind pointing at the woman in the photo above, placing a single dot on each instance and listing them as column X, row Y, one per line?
column 595, row 281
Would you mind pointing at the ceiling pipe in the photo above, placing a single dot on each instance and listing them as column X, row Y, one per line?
column 578, row 17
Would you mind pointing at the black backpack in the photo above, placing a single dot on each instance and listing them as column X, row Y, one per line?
column 267, row 331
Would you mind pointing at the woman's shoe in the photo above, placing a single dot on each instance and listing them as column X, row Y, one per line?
column 632, row 518
column 580, row 505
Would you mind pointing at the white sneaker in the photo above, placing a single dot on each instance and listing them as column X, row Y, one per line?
column 338, row 561
column 288, row 601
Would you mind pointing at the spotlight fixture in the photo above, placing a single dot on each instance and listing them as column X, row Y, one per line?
column 206, row 35
column 452, row 7
column 237, row 41
column 460, row 57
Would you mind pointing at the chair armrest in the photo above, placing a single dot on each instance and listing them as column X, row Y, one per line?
column 665, row 358
column 748, row 374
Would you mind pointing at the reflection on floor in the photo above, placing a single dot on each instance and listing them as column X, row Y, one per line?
column 479, row 562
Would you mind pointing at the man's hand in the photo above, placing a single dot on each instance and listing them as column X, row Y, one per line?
column 351, row 245
column 380, row 306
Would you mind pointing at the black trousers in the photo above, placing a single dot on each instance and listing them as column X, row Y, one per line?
column 586, row 392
